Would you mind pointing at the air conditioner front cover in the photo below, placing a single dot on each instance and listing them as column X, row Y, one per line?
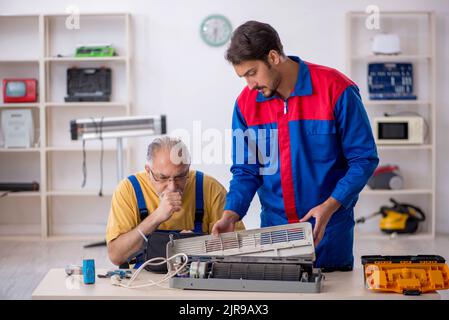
column 290, row 240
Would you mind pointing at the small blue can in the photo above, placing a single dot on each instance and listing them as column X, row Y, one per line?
column 89, row 271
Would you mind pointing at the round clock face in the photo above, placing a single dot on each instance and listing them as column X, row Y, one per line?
column 216, row 30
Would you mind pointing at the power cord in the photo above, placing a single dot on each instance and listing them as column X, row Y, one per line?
column 84, row 167
column 115, row 280
column 101, row 156
column 99, row 131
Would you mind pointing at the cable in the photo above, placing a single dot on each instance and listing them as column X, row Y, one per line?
column 96, row 131
column 99, row 131
column 4, row 194
column 100, row 134
column 363, row 219
column 153, row 262
column 169, row 274
column 84, row 167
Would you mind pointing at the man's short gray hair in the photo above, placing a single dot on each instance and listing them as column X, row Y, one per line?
column 178, row 150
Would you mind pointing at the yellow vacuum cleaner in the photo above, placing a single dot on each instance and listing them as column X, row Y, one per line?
column 399, row 218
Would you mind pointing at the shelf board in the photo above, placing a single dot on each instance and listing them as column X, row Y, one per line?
column 19, row 105
column 86, row 59
column 22, row 194
column 15, row 60
column 404, row 147
column 79, row 230
column 19, row 16
column 367, row 102
column 12, row 150
column 387, row 237
column 80, row 237
column 391, row 58
column 78, row 193
column 20, row 237
column 396, row 192
column 362, row 14
column 76, row 149
column 84, row 104
column 90, row 14
column 20, row 230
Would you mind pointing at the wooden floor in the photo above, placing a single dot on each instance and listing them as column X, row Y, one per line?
column 23, row 264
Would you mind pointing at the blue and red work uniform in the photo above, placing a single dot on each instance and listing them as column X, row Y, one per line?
column 324, row 147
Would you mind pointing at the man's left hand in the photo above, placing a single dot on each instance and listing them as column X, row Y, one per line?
column 322, row 214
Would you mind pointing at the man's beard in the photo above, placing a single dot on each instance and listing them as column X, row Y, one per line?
column 272, row 91
column 270, row 94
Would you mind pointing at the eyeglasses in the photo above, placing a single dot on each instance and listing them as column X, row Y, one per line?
column 178, row 179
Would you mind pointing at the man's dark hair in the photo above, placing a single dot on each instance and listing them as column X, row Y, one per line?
column 253, row 40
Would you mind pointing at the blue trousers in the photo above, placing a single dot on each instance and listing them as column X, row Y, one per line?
column 335, row 250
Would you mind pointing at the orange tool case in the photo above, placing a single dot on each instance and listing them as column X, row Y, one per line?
column 409, row 275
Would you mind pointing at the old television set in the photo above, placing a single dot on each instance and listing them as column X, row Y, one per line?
column 19, row 90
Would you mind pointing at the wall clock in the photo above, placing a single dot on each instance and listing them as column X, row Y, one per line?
column 216, row 30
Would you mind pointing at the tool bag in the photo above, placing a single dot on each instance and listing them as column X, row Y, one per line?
column 409, row 275
column 156, row 245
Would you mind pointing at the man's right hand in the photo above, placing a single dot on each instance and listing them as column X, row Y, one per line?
column 169, row 204
column 226, row 223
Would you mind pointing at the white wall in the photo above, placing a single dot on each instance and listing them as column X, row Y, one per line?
column 176, row 74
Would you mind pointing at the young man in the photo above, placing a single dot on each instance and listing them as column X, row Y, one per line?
column 169, row 191
column 315, row 118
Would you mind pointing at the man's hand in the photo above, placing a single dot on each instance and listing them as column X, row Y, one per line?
column 169, row 204
column 226, row 223
column 322, row 214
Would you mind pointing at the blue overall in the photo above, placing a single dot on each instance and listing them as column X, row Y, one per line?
column 143, row 211
column 299, row 151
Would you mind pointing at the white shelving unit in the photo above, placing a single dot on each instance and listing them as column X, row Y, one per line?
column 417, row 162
column 42, row 47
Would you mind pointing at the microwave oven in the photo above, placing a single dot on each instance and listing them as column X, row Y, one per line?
column 399, row 130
